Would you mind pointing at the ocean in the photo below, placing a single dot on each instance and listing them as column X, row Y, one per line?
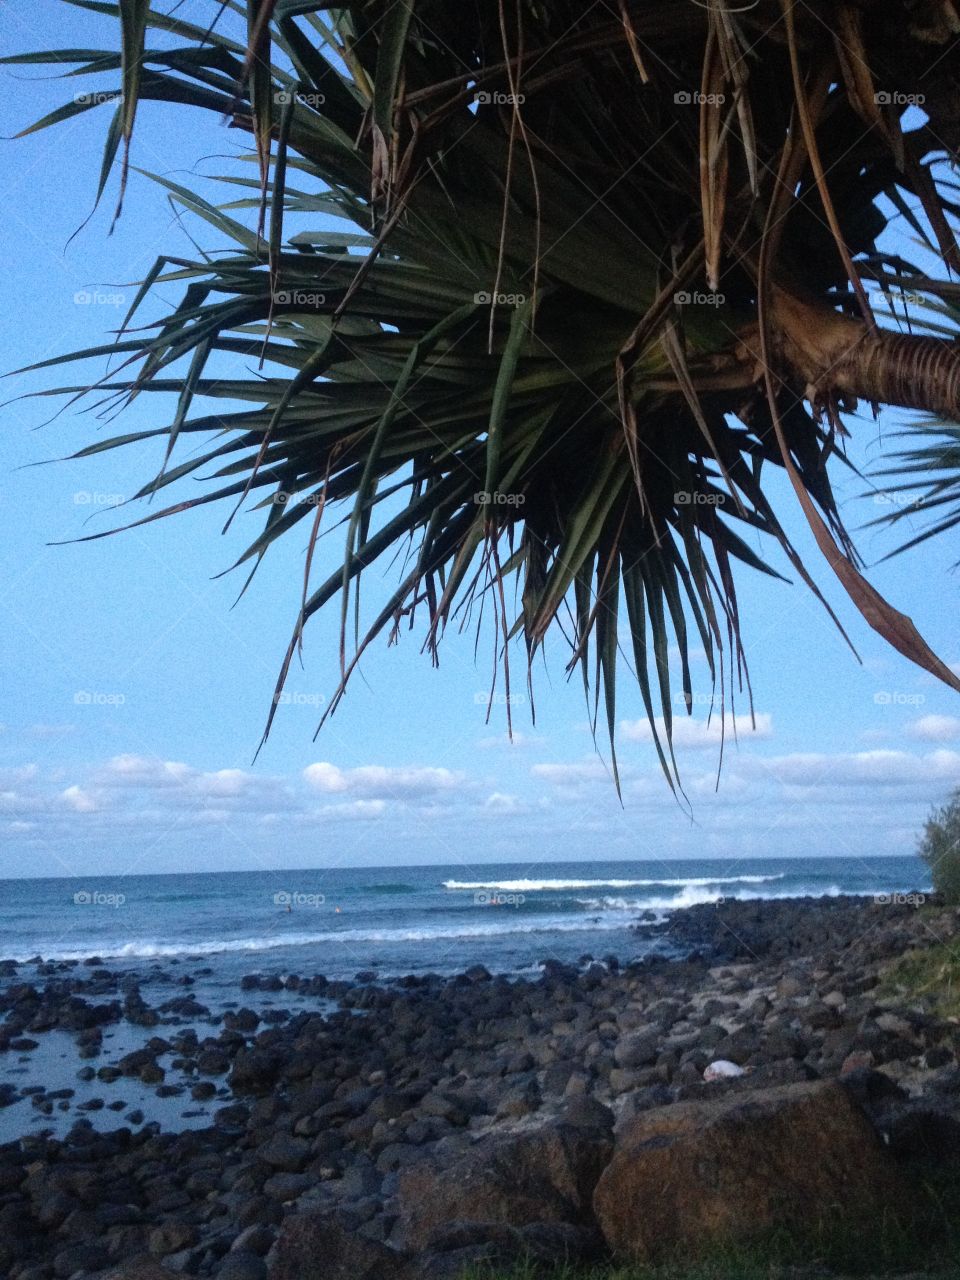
column 401, row 920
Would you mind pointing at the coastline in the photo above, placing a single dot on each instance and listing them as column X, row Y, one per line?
column 322, row 1096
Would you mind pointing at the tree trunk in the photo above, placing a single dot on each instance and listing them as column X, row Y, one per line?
column 839, row 355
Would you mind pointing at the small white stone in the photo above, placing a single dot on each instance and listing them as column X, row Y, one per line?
column 722, row 1070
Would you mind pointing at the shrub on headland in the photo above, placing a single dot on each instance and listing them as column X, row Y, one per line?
column 940, row 848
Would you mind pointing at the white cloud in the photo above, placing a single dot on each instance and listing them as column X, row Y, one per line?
column 500, row 802
column 19, row 774
column 935, row 728
column 566, row 775
column 352, row 810
column 380, row 780
column 410, row 781
column 144, row 771
column 863, row 768
column 699, row 734
column 78, row 800
column 183, row 786
column 325, row 777
column 227, row 782
column 214, row 817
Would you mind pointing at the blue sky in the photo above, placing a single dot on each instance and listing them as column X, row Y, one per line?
column 132, row 694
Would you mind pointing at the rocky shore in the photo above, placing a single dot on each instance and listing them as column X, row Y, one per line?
column 415, row 1127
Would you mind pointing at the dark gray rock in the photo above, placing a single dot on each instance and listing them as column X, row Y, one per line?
column 241, row 1264
column 287, row 1186
column 79, row 1257
column 172, row 1237
column 637, row 1049
column 324, row 1246
column 285, row 1153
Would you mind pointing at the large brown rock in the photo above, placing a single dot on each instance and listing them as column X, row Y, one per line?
column 685, row 1176
column 547, row 1176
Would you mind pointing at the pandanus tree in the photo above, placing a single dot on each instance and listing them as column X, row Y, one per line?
column 577, row 274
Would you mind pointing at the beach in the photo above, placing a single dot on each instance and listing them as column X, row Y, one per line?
column 142, row 1121
column 190, row 946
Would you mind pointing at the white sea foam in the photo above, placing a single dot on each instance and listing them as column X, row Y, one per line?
column 534, row 886
column 690, row 896
column 512, row 923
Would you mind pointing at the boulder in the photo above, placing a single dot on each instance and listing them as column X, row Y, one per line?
column 547, row 1176
column 322, row 1246
column 140, row 1268
column 255, row 1071
column 242, row 1265
column 79, row 1257
column 172, row 1237
column 637, row 1049
column 551, row 1244
column 285, row 1153
column 791, row 1156
column 287, row 1186
column 588, row 1113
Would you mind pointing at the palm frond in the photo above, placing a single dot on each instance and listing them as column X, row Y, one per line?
column 576, row 275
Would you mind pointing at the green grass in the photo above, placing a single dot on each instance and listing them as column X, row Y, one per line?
column 927, row 1241
column 931, row 974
